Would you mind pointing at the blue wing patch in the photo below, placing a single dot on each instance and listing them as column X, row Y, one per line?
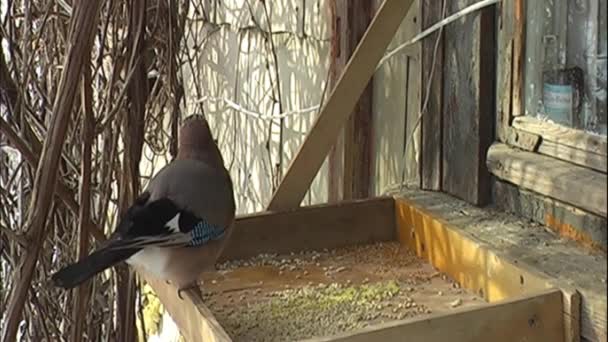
column 204, row 232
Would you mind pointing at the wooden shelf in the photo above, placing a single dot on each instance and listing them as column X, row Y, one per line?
column 535, row 307
column 565, row 143
column 563, row 181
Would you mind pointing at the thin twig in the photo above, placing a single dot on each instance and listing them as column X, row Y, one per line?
column 85, row 20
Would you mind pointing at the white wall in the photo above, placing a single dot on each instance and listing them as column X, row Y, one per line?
column 234, row 62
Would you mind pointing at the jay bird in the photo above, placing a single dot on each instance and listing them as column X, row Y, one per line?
column 178, row 227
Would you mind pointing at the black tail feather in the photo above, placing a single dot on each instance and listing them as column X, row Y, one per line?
column 100, row 260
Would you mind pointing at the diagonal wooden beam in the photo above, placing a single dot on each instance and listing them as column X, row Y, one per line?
column 340, row 105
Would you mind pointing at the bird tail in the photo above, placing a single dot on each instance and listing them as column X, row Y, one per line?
column 100, row 260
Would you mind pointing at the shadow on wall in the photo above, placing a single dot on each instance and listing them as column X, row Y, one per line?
column 396, row 110
column 244, row 82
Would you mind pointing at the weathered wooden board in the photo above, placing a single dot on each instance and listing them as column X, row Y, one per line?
column 358, row 129
column 432, row 58
column 195, row 321
column 351, row 21
column 413, row 128
column 566, row 143
column 519, row 40
column 579, row 157
column 533, row 318
column 522, row 139
column 338, row 108
column 396, row 112
column 569, row 183
column 474, row 265
column 468, row 103
column 339, row 59
column 563, row 135
column 586, row 229
column 314, row 227
column 509, row 70
column 504, row 68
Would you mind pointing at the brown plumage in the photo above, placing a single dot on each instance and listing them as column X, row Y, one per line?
column 196, row 142
column 210, row 187
column 180, row 224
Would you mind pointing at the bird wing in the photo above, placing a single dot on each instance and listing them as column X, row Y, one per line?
column 194, row 185
column 162, row 223
column 187, row 204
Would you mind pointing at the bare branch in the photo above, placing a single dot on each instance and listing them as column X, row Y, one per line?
column 83, row 24
column 84, row 196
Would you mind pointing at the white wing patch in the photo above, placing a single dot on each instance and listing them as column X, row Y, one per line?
column 153, row 259
column 174, row 238
column 173, row 224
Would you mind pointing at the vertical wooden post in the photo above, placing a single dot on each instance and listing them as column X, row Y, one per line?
column 339, row 58
column 350, row 159
column 432, row 114
column 468, row 103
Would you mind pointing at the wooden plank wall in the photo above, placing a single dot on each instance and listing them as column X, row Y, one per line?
column 343, row 99
column 350, row 161
column 396, row 111
column 432, row 111
column 468, row 104
column 457, row 124
column 380, row 144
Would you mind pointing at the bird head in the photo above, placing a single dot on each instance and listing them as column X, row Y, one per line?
column 196, row 141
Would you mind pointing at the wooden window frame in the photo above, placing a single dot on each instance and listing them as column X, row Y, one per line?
column 581, row 152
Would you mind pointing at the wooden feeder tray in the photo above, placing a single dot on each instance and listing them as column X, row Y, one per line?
column 381, row 269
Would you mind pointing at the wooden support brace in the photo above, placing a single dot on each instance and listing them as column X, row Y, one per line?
column 339, row 106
